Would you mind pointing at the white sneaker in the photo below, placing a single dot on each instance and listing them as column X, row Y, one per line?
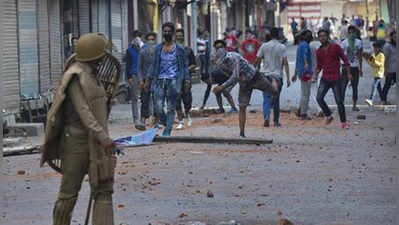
column 189, row 122
column 369, row 102
column 180, row 126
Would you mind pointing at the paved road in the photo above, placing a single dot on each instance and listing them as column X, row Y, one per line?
column 311, row 174
column 290, row 96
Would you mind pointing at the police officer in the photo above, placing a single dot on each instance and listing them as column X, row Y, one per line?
column 77, row 134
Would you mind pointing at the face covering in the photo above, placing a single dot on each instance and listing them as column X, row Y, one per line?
column 168, row 37
column 151, row 42
column 351, row 41
column 138, row 42
column 180, row 41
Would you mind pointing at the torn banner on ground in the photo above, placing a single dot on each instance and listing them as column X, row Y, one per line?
column 143, row 138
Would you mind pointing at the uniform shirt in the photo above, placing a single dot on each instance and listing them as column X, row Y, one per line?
column 234, row 65
column 273, row 53
column 250, row 47
column 168, row 67
column 352, row 55
column 377, row 62
column 329, row 61
column 390, row 54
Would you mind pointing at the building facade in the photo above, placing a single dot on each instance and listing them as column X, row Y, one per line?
column 38, row 38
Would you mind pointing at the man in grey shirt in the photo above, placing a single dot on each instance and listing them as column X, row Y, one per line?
column 274, row 57
column 240, row 70
column 390, row 66
column 144, row 63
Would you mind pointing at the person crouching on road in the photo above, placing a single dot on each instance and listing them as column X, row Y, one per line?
column 185, row 96
column 240, row 70
column 377, row 62
column 274, row 57
column 169, row 73
column 145, row 60
column 328, row 61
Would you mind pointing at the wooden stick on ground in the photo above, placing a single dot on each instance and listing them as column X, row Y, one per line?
column 212, row 140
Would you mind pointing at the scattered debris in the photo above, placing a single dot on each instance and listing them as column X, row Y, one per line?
column 361, row 117
column 217, row 120
column 196, row 223
column 121, row 206
column 182, row 215
column 209, row 194
column 284, row 222
column 231, row 222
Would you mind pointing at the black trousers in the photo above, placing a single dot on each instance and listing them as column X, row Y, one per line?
column 187, row 98
column 389, row 81
column 336, row 86
column 145, row 103
column 354, row 83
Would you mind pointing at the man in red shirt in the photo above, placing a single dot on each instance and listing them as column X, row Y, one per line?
column 250, row 47
column 328, row 60
column 232, row 43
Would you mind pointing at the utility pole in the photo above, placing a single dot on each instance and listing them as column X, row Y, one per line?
column 214, row 22
column 135, row 15
column 194, row 25
column 367, row 15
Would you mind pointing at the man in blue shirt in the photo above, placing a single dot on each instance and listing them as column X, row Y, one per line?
column 168, row 73
column 294, row 29
column 303, row 70
column 131, row 59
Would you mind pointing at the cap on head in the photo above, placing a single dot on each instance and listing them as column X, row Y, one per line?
column 91, row 46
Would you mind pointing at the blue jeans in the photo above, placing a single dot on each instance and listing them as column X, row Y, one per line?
column 166, row 90
column 376, row 87
column 274, row 102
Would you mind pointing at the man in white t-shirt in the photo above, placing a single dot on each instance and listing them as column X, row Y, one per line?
column 274, row 56
column 353, row 50
column 314, row 45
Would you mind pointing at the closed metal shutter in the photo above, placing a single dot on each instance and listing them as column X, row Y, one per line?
column 44, row 47
column 84, row 16
column 116, row 31
column 94, row 15
column 56, row 63
column 9, row 67
column 28, row 48
column 104, row 17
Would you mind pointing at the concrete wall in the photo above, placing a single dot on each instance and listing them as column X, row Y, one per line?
column 332, row 9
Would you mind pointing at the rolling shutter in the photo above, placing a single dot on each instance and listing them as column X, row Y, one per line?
column 84, row 16
column 44, row 47
column 9, row 67
column 28, row 48
column 56, row 63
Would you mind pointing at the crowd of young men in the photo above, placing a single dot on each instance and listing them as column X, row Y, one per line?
column 163, row 73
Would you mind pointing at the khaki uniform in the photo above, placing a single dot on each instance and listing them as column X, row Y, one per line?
column 76, row 132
